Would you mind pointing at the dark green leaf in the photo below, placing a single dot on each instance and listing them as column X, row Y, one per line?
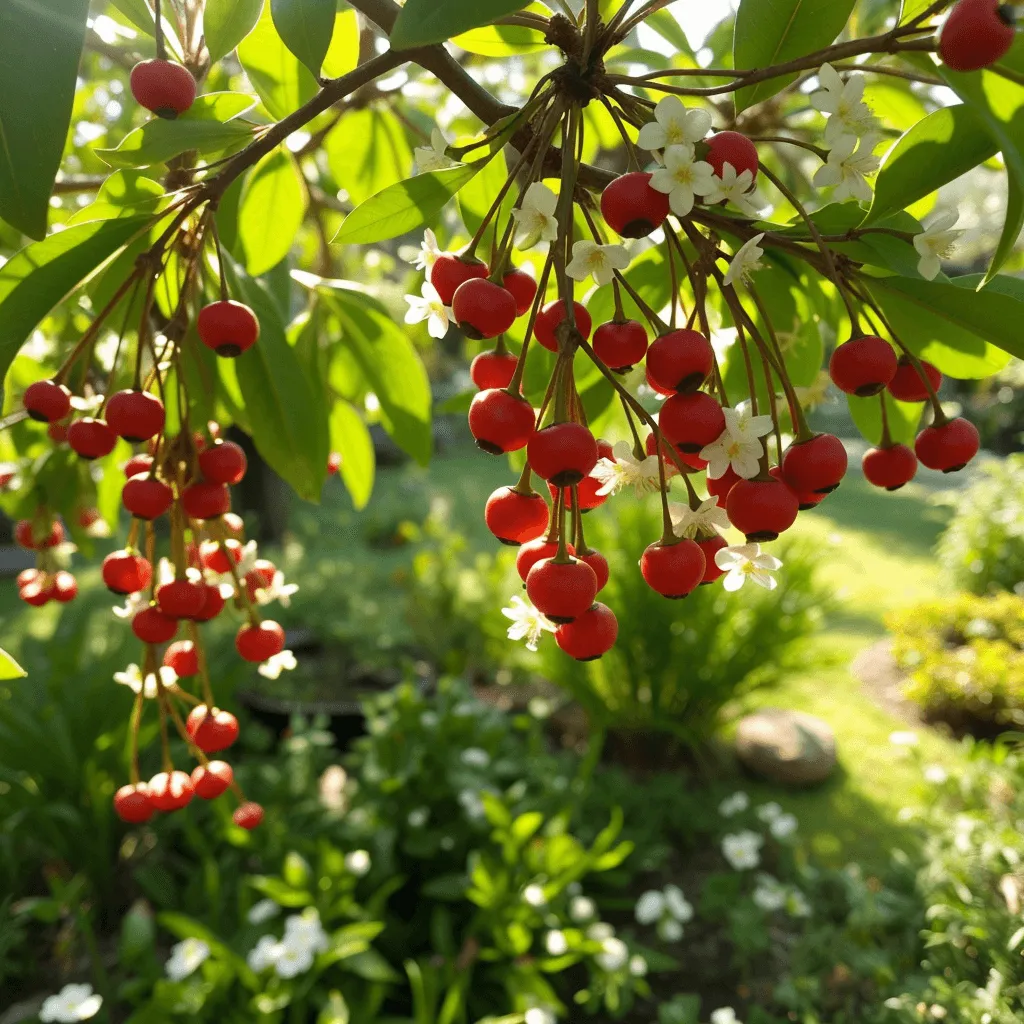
column 272, row 207
column 351, row 439
column 282, row 81
column 371, row 966
column 9, row 668
column 227, row 22
column 422, row 22
column 305, row 26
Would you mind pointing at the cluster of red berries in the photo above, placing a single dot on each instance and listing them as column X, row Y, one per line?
column 47, row 581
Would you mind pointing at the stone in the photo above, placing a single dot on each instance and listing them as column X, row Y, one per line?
column 788, row 747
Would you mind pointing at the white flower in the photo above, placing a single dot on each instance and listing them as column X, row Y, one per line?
column 426, row 255
column 535, row 218
column 527, row 623
column 556, row 943
column 599, row 931
column 682, row 178
column 843, row 101
column 358, row 862
column 283, row 661
column 472, row 804
column 770, row 894
column 739, row 445
column 475, row 757
column 428, row 306
column 625, row 469
column 71, row 1003
column 534, row 895
column 248, row 557
column 735, row 804
column 736, row 189
column 849, row 162
column 614, row 955
column 935, row 242
column 638, row 966
column 539, row 1015
column 650, row 907
column 783, row 826
column 277, row 591
column 600, row 260
column 743, row 560
column 903, row 739
column 582, row 909
column 305, row 930
column 769, row 811
column 132, row 678
column 669, row 930
column 708, row 518
column 742, row 849
column 262, row 911
column 293, row 959
column 668, row 908
column 677, row 904
column 185, row 958
column 264, row 954
column 936, row 774
column 725, row 1015
column 674, row 125
column 133, row 604
column 433, row 157
column 745, row 261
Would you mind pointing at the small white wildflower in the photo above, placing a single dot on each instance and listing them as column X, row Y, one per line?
column 600, row 260
column 556, row 943
column 428, row 306
column 293, row 959
column 475, row 757
column 769, row 811
column 284, row 661
column 264, row 954
column 934, row 242
column 582, row 909
column 737, row 189
column 849, row 163
column 747, row 560
column 71, row 1003
column 670, row 930
column 638, row 966
column 540, row 1015
column 534, row 895
column 428, row 252
column 599, row 931
column 844, row 104
column 770, row 894
column 683, row 178
column 903, row 738
column 625, row 470
column 742, row 849
column 677, row 904
column 133, row 604
column 132, row 678
column 674, row 125
column 277, row 591
column 433, row 157
column 186, row 958
column 784, row 826
column 358, row 862
column 745, row 261
column 725, row 1015
column 708, row 518
column 262, row 911
column 527, row 623
column 735, row 804
column 650, row 907
column 614, row 955
column 535, row 217
column 936, row 774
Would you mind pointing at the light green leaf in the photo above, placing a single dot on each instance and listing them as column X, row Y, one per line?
column 140, row 14
column 422, row 22
column 367, row 151
column 912, row 8
column 40, row 46
column 124, row 194
column 667, row 26
column 227, row 22
column 271, row 212
column 335, row 1010
column 903, row 417
column 351, row 439
column 305, row 26
column 9, row 668
column 781, row 30
column 282, row 81
column 343, row 53
column 501, row 40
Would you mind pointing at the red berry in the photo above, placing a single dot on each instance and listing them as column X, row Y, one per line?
column 590, row 635
column 907, row 385
column 563, row 453
column 125, row 573
column 679, row 361
column 259, row 642
column 976, row 34
column 493, row 369
column 620, row 344
column 211, row 779
column 165, row 88
column 138, row 465
column 890, row 467
column 170, row 791
column 732, row 148
column 333, row 463
column 182, row 657
column 501, row 422
column 135, row 415
column 762, row 509
column 599, row 564
column 551, row 315
column 146, row 497
column 90, row 438
column 213, row 557
column 587, row 488
column 65, row 587
column 57, row 432
column 523, row 289
column 862, row 366
column 631, row 207
column 223, row 463
column 561, row 590
column 719, row 487
column 948, row 446
column 152, row 626
column 181, row 599
column 483, row 309
column 711, row 546
column 211, row 729
column 27, row 576
column 514, row 517
column 38, row 592
column 47, row 401
column 691, row 422
column 806, row 499
column 817, row 465
column 259, row 577
column 88, row 517
column 28, row 535
column 688, row 458
column 533, row 551
column 449, row 271
column 206, row 500
column 131, row 804
column 212, row 606
column 248, row 815
column 673, row 570
column 228, row 327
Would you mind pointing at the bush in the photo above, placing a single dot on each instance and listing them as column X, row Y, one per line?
column 965, row 658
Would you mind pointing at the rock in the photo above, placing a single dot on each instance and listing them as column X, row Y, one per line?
column 786, row 746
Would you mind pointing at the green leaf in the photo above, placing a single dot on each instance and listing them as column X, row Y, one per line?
column 272, row 208
column 335, row 1010
column 140, row 14
column 9, row 668
column 227, row 22
column 404, row 206
column 44, row 273
column 40, row 46
column 938, row 149
column 343, row 53
column 422, row 22
column 779, row 31
column 371, row 966
column 501, row 40
column 526, row 825
column 305, row 26
column 185, row 927
column 282, row 81
column 367, row 151
column 351, row 439
column 904, row 418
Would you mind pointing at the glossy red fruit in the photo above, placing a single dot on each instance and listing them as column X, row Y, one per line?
column 47, row 401
column 679, row 361
column 88, row 517
column 206, row 500
column 211, row 729
column 806, row 499
column 146, row 497
column 501, row 422
column 523, row 289
column 691, row 422
column 599, row 564
column 182, row 658
column 135, row 415
column 587, row 488
column 152, row 626
column 711, row 546
column 817, row 465
column 907, row 385
column 138, row 465
column 483, row 309
column 514, row 517
column 449, row 271
column 590, row 635
column 259, row 642
column 948, row 447
column 213, row 557
column 27, row 576
column 28, row 534
column 620, row 344
column 212, row 606
column 976, row 34
column 632, row 208
column 126, row 573
column 732, row 148
column 762, row 509
column 170, row 791
column 64, row 587
column 561, row 590
column 493, row 369
column 551, row 315
column 57, row 432
column 248, row 815
column 181, row 599
column 223, row 463
column 862, row 366
column 91, row 438
column 165, row 88
column 131, row 804
column 211, row 779
column 719, row 487
column 563, row 453
column 38, row 592
column 891, row 467
column 260, row 576
column 534, row 551
column 228, row 327
column 673, row 570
